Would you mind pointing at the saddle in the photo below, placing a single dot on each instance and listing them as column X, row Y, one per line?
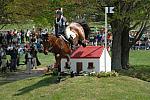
column 64, row 38
column 67, row 40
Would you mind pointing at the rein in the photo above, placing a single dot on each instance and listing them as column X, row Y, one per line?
column 52, row 44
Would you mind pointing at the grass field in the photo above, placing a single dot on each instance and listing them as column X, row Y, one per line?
column 140, row 61
column 129, row 85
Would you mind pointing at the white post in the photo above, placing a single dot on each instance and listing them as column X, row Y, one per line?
column 105, row 48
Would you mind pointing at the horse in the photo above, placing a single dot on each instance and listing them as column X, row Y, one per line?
column 59, row 47
column 77, row 32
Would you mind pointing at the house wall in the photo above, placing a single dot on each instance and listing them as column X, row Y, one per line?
column 108, row 62
column 96, row 64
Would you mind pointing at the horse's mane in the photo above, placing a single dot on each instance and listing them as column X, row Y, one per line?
column 85, row 26
column 48, row 35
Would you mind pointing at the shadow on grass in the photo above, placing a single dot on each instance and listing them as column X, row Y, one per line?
column 3, row 83
column 3, row 78
column 44, row 82
column 138, row 71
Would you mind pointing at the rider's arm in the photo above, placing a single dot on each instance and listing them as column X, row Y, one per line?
column 56, row 28
column 63, row 24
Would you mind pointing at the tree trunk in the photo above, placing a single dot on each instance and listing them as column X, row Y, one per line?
column 116, row 45
column 125, row 48
column 116, row 52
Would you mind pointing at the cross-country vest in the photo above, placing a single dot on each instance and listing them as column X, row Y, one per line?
column 60, row 25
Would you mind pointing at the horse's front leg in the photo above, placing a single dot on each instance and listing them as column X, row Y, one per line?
column 58, row 61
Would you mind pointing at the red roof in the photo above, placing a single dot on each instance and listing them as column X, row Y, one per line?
column 88, row 52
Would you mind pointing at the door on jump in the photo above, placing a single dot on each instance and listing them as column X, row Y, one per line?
column 79, row 67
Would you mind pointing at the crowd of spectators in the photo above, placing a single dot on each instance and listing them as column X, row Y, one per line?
column 142, row 43
column 16, row 43
column 98, row 38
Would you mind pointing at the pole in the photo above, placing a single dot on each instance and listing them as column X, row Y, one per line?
column 105, row 48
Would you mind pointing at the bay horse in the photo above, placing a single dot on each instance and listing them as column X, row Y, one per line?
column 75, row 33
column 59, row 47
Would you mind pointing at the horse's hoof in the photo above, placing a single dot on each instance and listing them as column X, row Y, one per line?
column 84, row 45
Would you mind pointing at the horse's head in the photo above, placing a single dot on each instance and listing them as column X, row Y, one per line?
column 47, row 44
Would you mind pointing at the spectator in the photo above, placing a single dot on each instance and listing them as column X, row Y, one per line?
column 1, row 38
column 9, row 38
column 34, row 55
column 3, row 60
column 27, row 35
column 28, row 61
column 22, row 36
column 14, row 57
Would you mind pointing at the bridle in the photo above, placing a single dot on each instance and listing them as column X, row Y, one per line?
column 50, row 44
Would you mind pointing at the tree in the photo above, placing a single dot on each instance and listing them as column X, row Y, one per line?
column 18, row 11
column 128, row 15
column 73, row 8
column 4, row 15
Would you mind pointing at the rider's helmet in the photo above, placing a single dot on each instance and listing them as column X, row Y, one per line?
column 59, row 12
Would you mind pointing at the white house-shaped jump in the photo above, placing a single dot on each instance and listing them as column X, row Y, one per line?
column 88, row 59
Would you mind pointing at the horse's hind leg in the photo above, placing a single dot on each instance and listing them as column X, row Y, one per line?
column 81, row 43
column 68, row 61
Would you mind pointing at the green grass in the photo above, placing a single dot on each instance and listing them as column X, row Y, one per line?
column 140, row 57
column 129, row 85
column 140, row 63
column 78, row 88
column 44, row 59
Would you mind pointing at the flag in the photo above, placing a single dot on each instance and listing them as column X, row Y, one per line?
column 109, row 9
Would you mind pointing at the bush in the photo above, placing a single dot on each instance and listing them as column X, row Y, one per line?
column 104, row 74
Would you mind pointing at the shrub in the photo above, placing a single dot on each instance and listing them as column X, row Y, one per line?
column 104, row 74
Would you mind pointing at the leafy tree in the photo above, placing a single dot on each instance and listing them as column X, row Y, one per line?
column 73, row 8
column 18, row 11
column 4, row 15
column 129, row 14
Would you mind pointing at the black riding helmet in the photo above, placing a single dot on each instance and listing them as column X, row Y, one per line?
column 59, row 12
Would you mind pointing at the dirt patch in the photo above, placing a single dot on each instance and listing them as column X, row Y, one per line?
column 14, row 76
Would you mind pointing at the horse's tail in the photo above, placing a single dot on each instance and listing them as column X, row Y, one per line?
column 85, row 26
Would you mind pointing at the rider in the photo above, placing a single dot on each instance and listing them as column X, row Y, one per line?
column 60, row 23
